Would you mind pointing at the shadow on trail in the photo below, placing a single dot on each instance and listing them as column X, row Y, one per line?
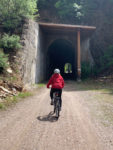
column 48, row 117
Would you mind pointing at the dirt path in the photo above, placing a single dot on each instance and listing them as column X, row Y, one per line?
column 30, row 125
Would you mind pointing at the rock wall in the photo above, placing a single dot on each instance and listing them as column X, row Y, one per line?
column 41, row 57
column 28, row 53
column 32, row 56
column 85, row 52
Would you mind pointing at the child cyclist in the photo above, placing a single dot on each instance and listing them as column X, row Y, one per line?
column 57, row 83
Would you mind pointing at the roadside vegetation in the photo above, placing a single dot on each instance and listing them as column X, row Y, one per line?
column 11, row 100
column 104, row 68
column 13, row 14
column 8, row 101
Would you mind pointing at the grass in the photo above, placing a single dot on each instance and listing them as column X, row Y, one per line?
column 39, row 85
column 24, row 94
column 2, row 106
column 14, row 99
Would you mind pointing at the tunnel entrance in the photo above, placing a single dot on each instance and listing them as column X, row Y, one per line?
column 60, row 53
column 51, row 46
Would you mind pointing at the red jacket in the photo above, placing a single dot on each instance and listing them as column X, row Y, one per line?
column 56, row 81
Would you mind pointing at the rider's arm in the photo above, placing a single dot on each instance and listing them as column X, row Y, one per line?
column 62, row 82
column 50, row 82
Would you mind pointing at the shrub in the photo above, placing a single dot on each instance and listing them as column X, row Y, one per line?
column 10, row 42
column 13, row 11
column 106, row 62
column 86, row 70
column 3, row 61
column 68, row 8
column 107, row 59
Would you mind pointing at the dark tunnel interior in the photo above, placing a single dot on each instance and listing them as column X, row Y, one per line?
column 60, row 53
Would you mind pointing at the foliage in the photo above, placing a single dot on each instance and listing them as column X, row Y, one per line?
column 14, row 99
column 13, row 11
column 24, row 94
column 68, row 8
column 83, row 11
column 10, row 42
column 86, row 70
column 78, row 10
column 41, row 85
column 106, row 60
column 2, row 106
column 42, row 3
column 3, row 61
column 64, row 8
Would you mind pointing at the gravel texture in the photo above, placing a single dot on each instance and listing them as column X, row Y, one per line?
column 31, row 125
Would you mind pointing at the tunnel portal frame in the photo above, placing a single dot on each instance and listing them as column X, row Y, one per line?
column 73, row 33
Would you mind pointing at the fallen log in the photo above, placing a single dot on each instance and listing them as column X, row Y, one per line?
column 5, row 90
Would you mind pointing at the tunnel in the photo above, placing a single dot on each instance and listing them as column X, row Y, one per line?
column 51, row 46
column 60, row 53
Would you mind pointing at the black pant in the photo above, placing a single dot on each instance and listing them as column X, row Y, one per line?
column 59, row 94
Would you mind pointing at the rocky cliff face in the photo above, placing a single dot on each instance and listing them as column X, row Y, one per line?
column 28, row 54
column 31, row 55
column 99, row 14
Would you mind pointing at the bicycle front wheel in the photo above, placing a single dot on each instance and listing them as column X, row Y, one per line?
column 57, row 110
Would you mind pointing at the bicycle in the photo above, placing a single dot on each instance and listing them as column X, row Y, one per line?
column 56, row 100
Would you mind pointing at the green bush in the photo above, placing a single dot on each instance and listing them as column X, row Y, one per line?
column 3, row 61
column 69, row 8
column 10, row 42
column 64, row 8
column 106, row 60
column 13, row 11
column 42, row 3
column 86, row 70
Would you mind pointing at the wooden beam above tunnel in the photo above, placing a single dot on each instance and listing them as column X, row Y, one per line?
column 66, row 26
column 51, row 28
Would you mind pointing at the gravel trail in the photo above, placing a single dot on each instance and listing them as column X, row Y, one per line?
column 30, row 125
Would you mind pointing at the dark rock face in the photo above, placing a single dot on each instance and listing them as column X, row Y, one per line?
column 99, row 14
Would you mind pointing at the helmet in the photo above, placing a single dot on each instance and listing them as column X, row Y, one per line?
column 57, row 71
